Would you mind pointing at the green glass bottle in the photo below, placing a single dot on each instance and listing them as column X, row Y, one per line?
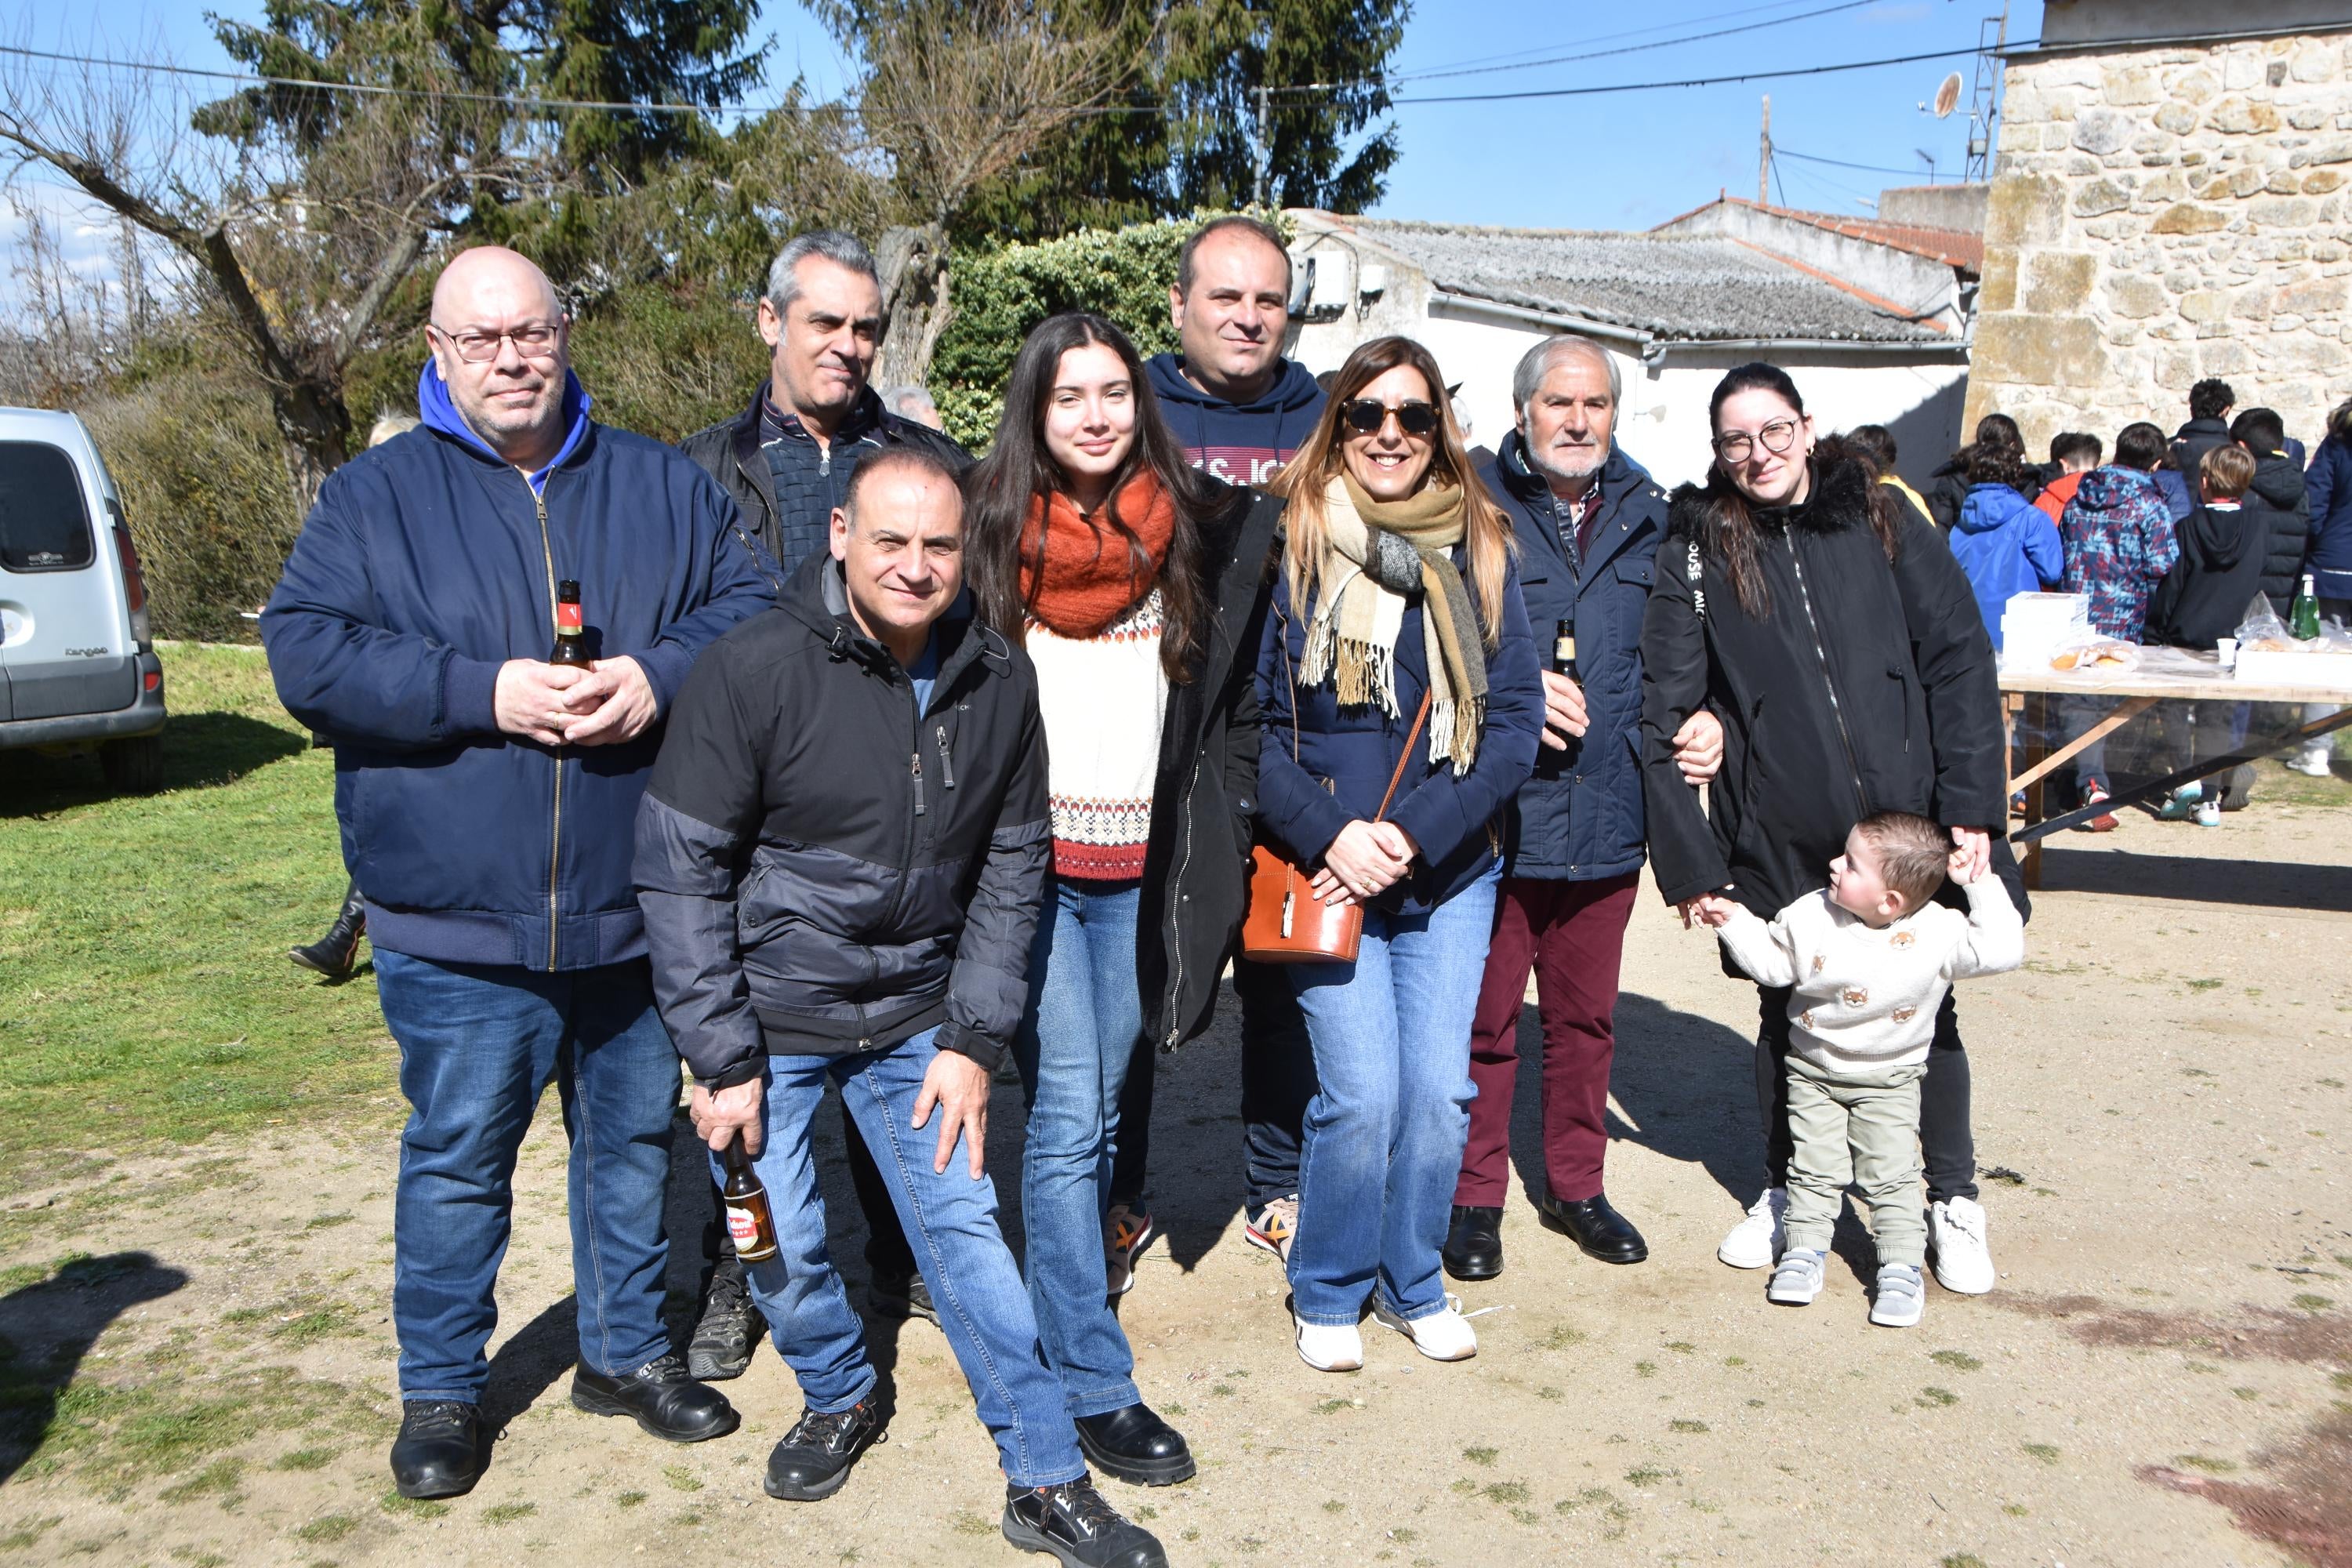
column 2302, row 619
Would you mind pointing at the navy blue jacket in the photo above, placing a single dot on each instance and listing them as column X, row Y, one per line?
column 1240, row 443
column 1579, row 816
column 1456, row 819
column 426, row 563
column 2328, row 485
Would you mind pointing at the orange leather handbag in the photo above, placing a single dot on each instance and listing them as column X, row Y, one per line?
column 1286, row 923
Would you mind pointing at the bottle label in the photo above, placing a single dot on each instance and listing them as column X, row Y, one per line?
column 567, row 618
column 742, row 1228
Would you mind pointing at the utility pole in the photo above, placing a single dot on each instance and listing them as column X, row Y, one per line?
column 1984, row 106
column 1265, row 146
column 1764, row 159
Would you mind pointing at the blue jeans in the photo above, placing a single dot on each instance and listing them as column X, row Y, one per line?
column 1386, row 1129
column 477, row 1044
column 1084, row 1019
column 950, row 1219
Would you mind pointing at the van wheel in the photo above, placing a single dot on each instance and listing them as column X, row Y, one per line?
column 135, row 766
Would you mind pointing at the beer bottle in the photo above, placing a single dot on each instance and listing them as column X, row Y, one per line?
column 749, row 1224
column 2303, row 617
column 570, row 648
column 1563, row 650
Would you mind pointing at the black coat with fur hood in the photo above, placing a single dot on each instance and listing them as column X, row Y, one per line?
column 1860, row 685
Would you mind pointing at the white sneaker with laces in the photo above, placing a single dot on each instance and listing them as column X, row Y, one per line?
column 1955, row 1244
column 1757, row 1240
column 2314, row 761
column 1329, row 1347
column 1443, row 1335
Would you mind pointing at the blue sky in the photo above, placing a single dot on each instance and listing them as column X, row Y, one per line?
column 1623, row 160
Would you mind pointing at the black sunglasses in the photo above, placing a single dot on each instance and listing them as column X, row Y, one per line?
column 1365, row 415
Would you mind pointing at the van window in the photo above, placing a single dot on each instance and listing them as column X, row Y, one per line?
column 44, row 524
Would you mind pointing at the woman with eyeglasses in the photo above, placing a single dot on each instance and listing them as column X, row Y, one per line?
column 1397, row 658
column 1829, row 629
column 1132, row 580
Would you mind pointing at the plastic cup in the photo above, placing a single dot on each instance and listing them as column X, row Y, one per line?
column 2227, row 651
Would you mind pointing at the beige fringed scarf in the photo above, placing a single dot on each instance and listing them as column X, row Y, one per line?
column 1379, row 555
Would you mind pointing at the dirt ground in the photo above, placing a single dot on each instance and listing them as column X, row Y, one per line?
column 2163, row 1377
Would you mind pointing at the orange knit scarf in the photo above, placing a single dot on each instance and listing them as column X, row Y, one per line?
column 1089, row 577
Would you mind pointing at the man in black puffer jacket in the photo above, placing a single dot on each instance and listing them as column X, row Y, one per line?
column 2278, row 500
column 841, row 859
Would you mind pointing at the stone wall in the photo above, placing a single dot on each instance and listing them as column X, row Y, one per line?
column 2162, row 215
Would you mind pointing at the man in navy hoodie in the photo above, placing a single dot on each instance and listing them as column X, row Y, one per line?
column 1241, row 410
column 488, row 800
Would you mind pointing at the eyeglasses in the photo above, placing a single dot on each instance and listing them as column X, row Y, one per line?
column 1365, row 415
column 1778, row 437
column 534, row 340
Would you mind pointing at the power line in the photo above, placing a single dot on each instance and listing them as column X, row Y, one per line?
column 1444, row 68
column 1633, row 49
column 1840, row 164
column 1690, row 81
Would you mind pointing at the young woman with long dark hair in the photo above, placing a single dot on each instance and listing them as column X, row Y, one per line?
column 1132, row 580
column 1838, row 640
column 1397, row 650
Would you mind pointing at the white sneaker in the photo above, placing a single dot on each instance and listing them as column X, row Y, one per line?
column 1443, row 1335
column 2314, row 761
column 1955, row 1244
column 1757, row 1240
column 1797, row 1277
column 1328, row 1348
column 1898, row 1299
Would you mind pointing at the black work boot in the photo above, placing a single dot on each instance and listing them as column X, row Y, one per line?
column 439, row 1451
column 1135, row 1444
column 1474, row 1242
column 1073, row 1523
column 333, row 954
column 814, row 1457
column 901, row 1296
column 721, row 1346
column 664, row 1400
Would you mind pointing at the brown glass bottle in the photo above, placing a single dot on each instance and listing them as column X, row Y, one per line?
column 570, row 648
column 749, row 1224
column 1563, row 650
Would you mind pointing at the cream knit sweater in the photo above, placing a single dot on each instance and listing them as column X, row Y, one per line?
column 1866, row 998
column 1103, row 700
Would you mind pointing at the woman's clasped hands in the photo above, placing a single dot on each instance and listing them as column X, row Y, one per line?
column 1363, row 862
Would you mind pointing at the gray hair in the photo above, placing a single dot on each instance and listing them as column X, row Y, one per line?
column 390, row 423
column 897, row 399
column 843, row 249
column 1536, row 363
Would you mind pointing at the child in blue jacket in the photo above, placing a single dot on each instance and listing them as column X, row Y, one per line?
column 2004, row 542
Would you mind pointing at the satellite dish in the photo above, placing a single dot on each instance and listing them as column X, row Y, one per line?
column 1947, row 96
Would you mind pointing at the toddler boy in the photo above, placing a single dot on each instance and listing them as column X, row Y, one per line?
column 1869, row 958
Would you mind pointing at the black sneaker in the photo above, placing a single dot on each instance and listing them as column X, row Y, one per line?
column 439, row 1451
column 1073, row 1523
column 721, row 1346
column 663, row 1400
column 813, row 1459
column 901, row 1296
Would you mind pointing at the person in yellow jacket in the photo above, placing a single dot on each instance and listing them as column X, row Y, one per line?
column 1875, row 440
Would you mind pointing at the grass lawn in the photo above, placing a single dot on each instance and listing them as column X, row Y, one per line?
column 146, row 996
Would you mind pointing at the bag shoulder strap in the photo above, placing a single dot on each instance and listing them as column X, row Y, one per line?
column 1412, row 736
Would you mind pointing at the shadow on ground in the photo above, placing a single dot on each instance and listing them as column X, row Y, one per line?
column 2268, row 884
column 201, row 751
column 45, row 1330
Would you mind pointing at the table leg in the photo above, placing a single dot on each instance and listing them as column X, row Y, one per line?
column 2036, row 714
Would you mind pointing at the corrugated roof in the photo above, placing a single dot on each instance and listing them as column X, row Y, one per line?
column 1680, row 288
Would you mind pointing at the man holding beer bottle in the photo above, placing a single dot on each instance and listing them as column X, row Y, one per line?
column 487, row 794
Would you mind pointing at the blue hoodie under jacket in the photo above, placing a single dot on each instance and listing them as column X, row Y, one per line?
column 1240, row 443
column 2008, row 546
column 428, row 563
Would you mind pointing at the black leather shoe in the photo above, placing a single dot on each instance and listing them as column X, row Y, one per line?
column 1074, row 1523
column 1134, row 1445
column 1600, row 1230
column 439, row 1451
column 1473, row 1243
column 901, row 1296
column 813, row 1459
column 333, row 954
column 721, row 1346
column 664, row 1401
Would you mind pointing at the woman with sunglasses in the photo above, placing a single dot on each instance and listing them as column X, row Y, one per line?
column 1132, row 578
column 1398, row 657
column 1829, row 627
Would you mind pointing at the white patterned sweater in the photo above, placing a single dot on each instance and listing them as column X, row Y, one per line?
column 1103, row 700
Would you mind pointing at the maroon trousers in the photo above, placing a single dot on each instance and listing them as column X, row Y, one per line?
column 1573, row 935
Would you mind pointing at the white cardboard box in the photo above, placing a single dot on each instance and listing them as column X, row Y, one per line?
column 2330, row 670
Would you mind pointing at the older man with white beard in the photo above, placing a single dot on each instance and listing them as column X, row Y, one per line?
column 1589, row 519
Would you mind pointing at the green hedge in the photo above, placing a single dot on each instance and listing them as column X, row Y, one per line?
column 1000, row 293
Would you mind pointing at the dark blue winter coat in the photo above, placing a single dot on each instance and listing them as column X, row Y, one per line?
column 1579, row 816
column 2008, row 546
column 427, row 562
column 1347, row 755
column 2329, row 484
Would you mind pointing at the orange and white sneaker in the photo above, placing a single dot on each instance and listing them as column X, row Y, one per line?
column 1125, row 1232
column 1275, row 1225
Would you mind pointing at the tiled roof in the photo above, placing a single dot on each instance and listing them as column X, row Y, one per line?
column 1679, row 288
column 1952, row 246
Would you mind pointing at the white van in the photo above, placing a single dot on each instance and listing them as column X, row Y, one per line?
column 78, row 669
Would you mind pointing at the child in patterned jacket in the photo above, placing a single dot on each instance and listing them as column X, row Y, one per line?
column 1869, row 958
